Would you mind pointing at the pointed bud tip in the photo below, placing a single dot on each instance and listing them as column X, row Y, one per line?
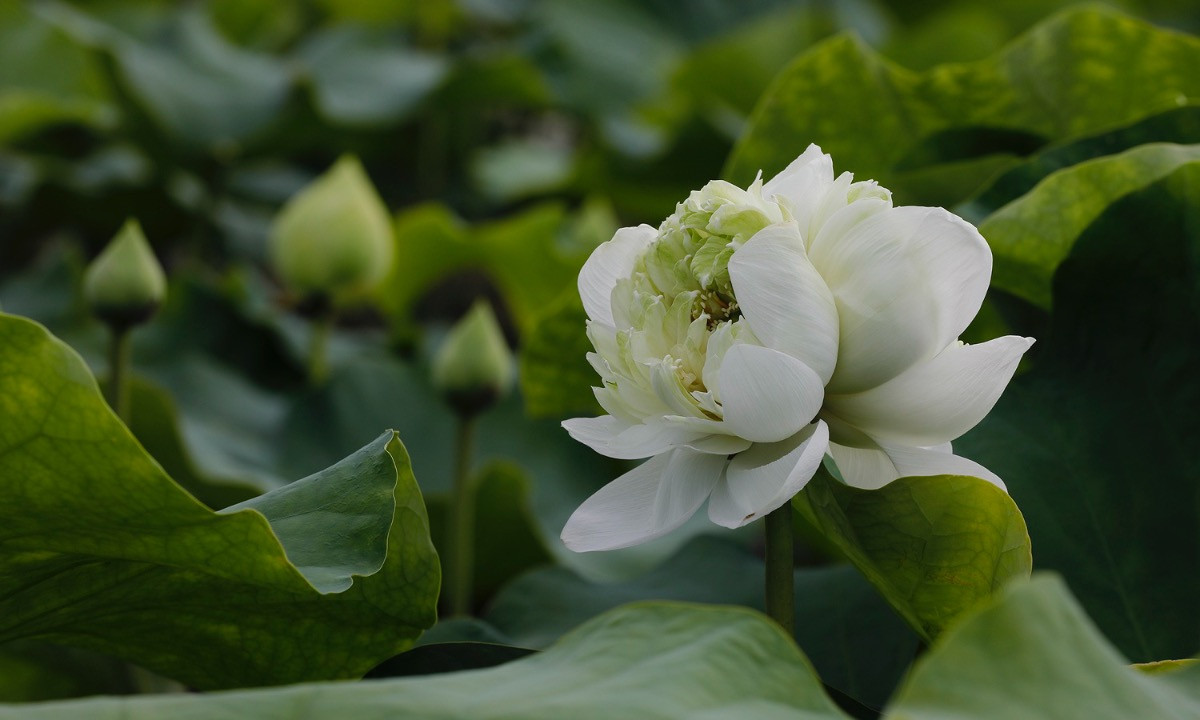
column 334, row 237
column 474, row 367
column 125, row 285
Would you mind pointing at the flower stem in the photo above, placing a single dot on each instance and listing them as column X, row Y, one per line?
column 117, row 389
column 318, row 348
column 462, row 522
column 781, row 590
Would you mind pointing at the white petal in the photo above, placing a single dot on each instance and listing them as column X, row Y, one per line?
column 645, row 503
column 719, row 444
column 802, row 184
column 837, row 225
column 872, row 468
column 609, row 262
column 784, row 298
column 767, row 395
column 906, row 281
column 766, row 476
column 934, row 401
column 616, row 439
column 866, row 468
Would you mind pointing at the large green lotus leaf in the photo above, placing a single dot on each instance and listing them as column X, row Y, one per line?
column 856, row 643
column 320, row 579
column 1094, row 442
column 934, row 547
column 362, row 78
column 193, row 84
column 46, row 77
column 1099, row 68
column 519, row 254
column 1033, row 653
column 658, row 661
column 1032, row 235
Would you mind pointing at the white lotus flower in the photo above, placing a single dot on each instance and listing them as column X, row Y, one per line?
column 758, row 330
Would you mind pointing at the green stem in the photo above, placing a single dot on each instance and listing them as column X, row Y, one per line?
column 781, row 590
column 462, row 523
column 117, row 389
column 318, row 348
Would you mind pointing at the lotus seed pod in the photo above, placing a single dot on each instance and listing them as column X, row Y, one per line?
column 125, row 285
column 473, row 368
column 333, row 239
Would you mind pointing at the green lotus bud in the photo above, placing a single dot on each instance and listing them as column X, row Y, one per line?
column 333, row 239
column 124, row 286
column 473, row 368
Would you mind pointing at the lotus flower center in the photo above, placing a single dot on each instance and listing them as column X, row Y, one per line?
column 677, row 310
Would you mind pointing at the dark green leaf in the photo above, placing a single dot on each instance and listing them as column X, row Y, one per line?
column 508, row 540
column 1179, row 125
column 1095, row 441
column 31, row 671
column 556, row 378
column 447, row 657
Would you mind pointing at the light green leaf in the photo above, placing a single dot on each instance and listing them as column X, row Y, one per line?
column 1032, row 235
column 1094, row 442
column 321, row 580
column 193, row 84
column 518, row 169
column 1095, row 70
column 362, row 78
column 933, row 546
column 658, row 661
column 1033, row 653
column 46, row 77
column 856, row 643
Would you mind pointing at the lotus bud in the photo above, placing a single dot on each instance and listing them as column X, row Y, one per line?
column 474, row 368
column 333, row 240
column 125, row 285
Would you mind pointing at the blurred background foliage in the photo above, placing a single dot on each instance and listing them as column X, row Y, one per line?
column 508, row 138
